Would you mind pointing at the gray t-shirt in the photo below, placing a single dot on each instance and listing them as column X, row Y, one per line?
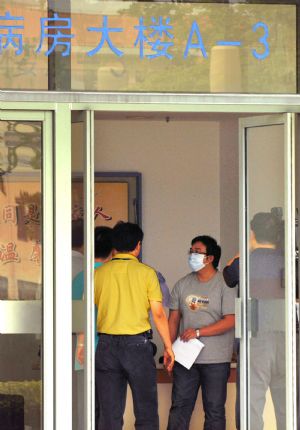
column 202, row 304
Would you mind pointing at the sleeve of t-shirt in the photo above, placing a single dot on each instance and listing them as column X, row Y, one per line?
column 153, row 287
column 228, row 300
column 175, row 298
column 231, row 273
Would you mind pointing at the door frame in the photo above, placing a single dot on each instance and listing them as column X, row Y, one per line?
column 288, row 120
column 61, row 105
column 47, row 309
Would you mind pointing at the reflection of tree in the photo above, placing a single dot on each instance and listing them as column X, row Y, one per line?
column 25, row 65
column 216, row 22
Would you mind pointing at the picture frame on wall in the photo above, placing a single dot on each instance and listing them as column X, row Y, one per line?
column 117, row 197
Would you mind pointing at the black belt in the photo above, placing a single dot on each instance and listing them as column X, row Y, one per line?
column 148, row 334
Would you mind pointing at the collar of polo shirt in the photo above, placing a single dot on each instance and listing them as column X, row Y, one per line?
column 124, row 255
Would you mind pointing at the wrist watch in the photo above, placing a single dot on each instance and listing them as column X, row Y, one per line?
column 198, row 333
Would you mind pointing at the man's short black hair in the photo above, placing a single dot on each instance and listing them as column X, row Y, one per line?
column 266, row 227
column 212, row 248
column 103, row 242
column 126, row 236
column 77, row 233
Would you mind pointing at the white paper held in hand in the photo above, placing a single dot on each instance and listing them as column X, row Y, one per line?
column 187, row 352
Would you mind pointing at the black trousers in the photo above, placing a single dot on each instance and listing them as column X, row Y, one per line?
column 213, row 381
column 122, row 360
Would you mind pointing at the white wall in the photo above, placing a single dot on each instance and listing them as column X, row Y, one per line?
column 229, row 188
column 179, row 162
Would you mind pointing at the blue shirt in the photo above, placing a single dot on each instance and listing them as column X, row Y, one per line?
column 77, row 293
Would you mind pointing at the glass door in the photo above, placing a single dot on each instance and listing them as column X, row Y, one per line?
column 26, row 271
column 266, row 321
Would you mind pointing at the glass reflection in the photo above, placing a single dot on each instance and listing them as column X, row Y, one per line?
column 265, row 155
column 21, row 274
column 197, row 47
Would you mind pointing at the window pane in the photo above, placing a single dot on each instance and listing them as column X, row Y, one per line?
column 196, row 47
column 21, row 275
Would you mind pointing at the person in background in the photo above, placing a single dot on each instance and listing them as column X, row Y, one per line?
column 164, row 290
column 267, row 292
column 103, row 253
column 202, row 307
column 166, row 297
column 77, row 247
column 77, row 267
column 125, row 291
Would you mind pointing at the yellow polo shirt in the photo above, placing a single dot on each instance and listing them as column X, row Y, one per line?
column 123, row 290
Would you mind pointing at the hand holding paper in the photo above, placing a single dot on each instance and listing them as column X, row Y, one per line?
column 187, row 352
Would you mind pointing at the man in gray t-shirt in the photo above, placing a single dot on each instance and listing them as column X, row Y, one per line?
column 202, row 307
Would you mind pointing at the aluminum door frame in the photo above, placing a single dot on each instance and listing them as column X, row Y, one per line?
column 61, row 105
column 88, row 185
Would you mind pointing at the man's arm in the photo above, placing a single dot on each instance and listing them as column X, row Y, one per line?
column 231, row 273
column 80, row 348
column 161, row 323
column 222, row 326
column 174, row 320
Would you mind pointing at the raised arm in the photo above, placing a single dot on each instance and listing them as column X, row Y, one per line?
column 231, row 272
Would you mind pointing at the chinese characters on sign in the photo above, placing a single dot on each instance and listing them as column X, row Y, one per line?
column 8, row 253
column 99, row 212
column 78, row 213
column 157, row 37
column 36, row 253
column 11, row 35
column 9, row 214
column 32, row 215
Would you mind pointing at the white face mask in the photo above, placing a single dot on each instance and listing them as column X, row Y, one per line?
column 196, row 261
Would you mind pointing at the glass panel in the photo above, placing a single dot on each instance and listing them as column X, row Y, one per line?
column 266, row 267
column 198, row 47
column 202, row 48
column 78, row 338
column 21, row 275
column 21, row 66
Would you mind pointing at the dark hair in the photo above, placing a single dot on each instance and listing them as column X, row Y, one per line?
column 103, row 242
column 266, row 227
column 77, row 233
column 212, row 248
column 126, row 236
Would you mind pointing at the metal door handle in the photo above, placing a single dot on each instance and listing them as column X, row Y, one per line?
column 238, row 318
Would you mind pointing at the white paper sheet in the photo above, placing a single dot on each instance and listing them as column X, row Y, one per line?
column 187, row 352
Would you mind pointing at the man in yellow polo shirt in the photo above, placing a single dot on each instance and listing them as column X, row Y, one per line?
column 125, row 291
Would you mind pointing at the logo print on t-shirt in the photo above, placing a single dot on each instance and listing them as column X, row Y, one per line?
column 197, row 302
